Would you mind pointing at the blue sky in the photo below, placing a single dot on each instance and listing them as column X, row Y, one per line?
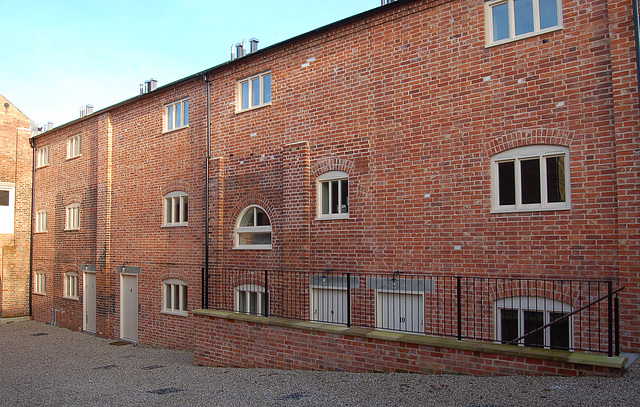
column 57, row 55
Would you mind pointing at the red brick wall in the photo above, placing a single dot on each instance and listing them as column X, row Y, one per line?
column 412, row 105
column 15, row 168
column 222, row 342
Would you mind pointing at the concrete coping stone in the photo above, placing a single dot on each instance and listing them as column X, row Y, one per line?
column 556, row 355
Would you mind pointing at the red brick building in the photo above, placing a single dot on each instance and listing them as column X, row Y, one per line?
column 438, row 138
column 15, row 204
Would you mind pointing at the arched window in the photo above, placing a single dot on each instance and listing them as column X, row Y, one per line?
column 253, row 229
column 174, row 297
column 531, row 178
column 176, row 209
column 333, row 195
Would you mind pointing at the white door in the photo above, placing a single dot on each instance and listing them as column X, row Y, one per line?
column 89, row 302
column 329, row 305
column 400, row 312
column 129, row 307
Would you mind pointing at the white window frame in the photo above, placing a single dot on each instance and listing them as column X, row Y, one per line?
column 42, row 156
column 489, row 5
column 249, row 82
column 175, row 299
column 171, row 217
column 537, row 304
column 74, row 146
column 71, row 285
column 174, row 120
column 327, row 178
column 248, row 290
column 239, row 230
column 519, row 154
column 7, row 212
column 40, row 283
column 42, row 221
column 72, row 217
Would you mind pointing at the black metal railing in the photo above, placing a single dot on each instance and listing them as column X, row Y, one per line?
column 562, row 313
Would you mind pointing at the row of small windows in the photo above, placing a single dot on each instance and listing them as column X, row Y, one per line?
column 74, row 149
column 71, row 220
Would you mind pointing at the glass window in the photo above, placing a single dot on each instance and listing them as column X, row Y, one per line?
column 509, row 20
column 176, row 209
column 175, row 299
column 41, row 221
column 42, row 157
column 530, row 178
column 72, row 218
column 71, row 285
column 73, row 146
column 333, row 195
column 40, row 283
column 176, row 115
column 250, row 299
column 253, row 229
column 254, row 92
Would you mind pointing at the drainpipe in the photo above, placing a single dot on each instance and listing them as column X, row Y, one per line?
column 33, row 188
column 205, row 275
column 636, row 26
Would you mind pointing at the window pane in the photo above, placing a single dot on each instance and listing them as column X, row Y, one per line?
column 267, row 88
column 507, row 183
column 530, row 181
column 247, row 218
column 523, row 10
column 253, row 303
column 178, row 115
column 344, row 189
column 324, row 186
column 176, row 297
column 4, row 198
column 169, row 117
column 532, row 321
column 242, row 301
column 509, row 324
column 500, row 18
column 245, row 95
column 254, row 238
column 176, row 209
column 559, row 331
column 167, row 210
column 185, row 209
column 555, row 179
column 167, row 296
column 186, row 112
column 261, row 218
column 183, row 298
column 334, row 196
column 255, row 91
column 548, row 13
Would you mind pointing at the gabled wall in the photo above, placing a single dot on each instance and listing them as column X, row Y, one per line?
column 15, row 171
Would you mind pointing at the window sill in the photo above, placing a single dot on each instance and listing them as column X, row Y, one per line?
column 42, row 166
column 40, row 294
column 175, row 226
column 523, row 36
column 72, row 230
column 529, row 210
column 75, row 156
column 177, row 314
column 253, row 247
column 70, row 298
column 333, row 217
column 253, row 108
column 40, row 232
column 176, row 129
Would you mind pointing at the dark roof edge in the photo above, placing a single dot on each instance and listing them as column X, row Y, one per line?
column 328, row 27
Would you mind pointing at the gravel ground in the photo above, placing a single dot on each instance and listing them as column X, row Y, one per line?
column 45, row 365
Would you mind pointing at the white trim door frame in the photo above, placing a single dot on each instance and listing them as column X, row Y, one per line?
column 129, row 307
column 89, row 301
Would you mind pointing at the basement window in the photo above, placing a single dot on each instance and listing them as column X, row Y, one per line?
column 254, row 92
column 250, row 299
column 510, row 20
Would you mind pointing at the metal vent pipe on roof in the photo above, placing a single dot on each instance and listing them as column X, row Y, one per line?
column 240, row 49
column 253, row 44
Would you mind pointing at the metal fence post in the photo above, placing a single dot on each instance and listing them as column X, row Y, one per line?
column 610, row 312
column 617, row 323
column 349, row 299
column 459, row 280
column 266, row 293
